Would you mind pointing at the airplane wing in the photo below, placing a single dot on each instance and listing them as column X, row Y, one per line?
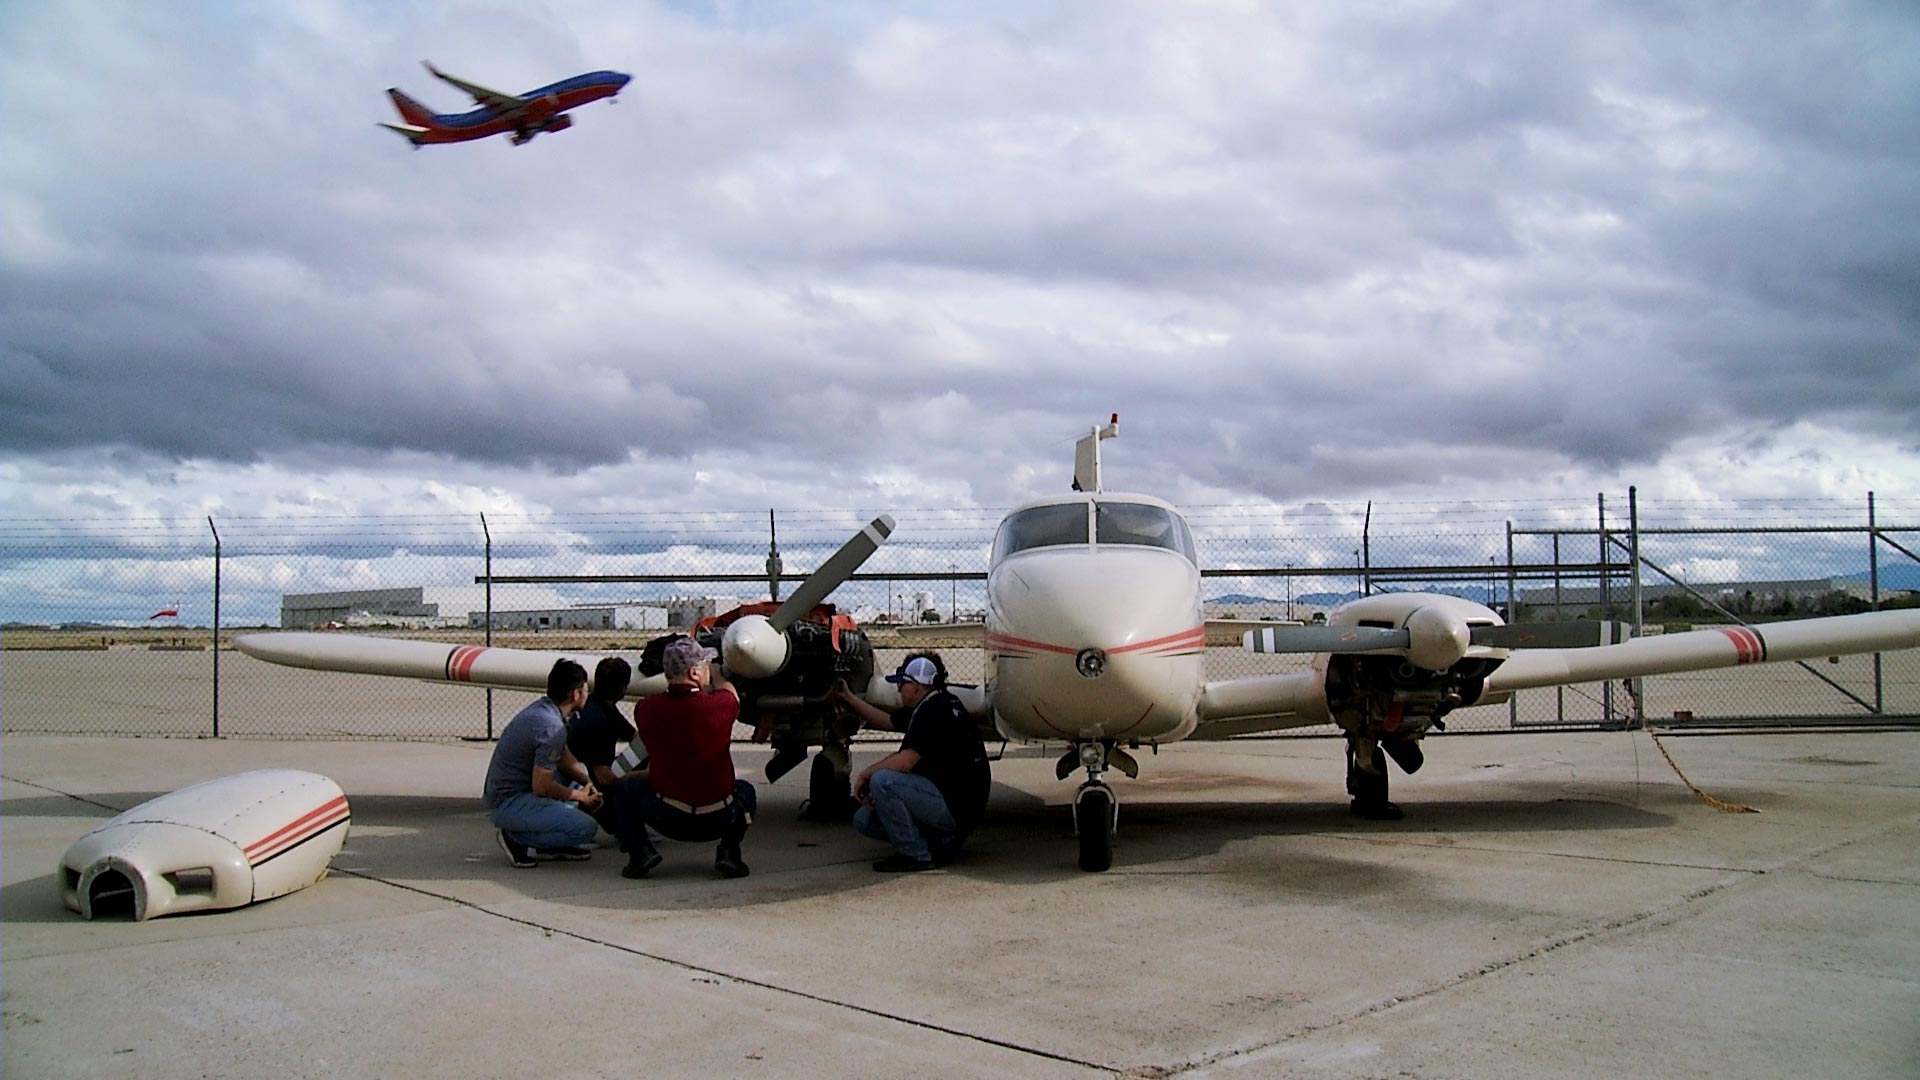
column 503, row 104
column 1702, row 650
column 1261, row 703
column 430, row 661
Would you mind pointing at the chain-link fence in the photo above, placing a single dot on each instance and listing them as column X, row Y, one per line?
column 126, row 627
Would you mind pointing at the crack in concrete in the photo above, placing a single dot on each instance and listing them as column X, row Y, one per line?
column 716, row 973
column 1654, row 917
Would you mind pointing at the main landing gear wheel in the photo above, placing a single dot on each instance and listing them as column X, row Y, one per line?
column 1095, row 818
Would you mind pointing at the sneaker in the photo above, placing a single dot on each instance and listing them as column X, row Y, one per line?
column 517, row 852
column 897, row 863
column 563, row 854
column 640, row 864
column 729, row 865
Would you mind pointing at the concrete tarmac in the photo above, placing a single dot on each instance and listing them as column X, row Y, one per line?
column 1553, row 906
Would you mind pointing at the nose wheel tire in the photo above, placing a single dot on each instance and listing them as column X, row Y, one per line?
column 1095, row 818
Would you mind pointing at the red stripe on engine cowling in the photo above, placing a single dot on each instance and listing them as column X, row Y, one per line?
column 339, row 803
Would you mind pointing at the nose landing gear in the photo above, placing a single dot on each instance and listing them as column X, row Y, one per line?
column 1096, row 813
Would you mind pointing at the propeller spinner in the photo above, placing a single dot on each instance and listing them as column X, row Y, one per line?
column 756, row 646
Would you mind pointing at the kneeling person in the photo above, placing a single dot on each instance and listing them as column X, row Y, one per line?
column 527, row 793
column 689, row 790
column 925, row 797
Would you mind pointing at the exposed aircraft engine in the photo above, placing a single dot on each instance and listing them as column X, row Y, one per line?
column 1385, row 697
column 791, row 706
column 558, row 123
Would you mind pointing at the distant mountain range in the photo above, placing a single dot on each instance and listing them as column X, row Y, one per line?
column 1897, row 577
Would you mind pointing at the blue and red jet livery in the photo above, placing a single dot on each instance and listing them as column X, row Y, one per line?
column 520, row 116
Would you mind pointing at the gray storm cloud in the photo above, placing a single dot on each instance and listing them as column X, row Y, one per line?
column 1568, row 240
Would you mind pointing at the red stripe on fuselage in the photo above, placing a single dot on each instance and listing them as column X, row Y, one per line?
column 1183, row 640
column 1003, row 641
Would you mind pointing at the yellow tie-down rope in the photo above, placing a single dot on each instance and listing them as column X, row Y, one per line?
column 1718, row 804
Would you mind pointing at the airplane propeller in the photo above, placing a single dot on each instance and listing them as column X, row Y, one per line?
column 1433, row 640
column 756, row 646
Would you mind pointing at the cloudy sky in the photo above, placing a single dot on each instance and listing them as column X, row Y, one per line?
column 864, row 257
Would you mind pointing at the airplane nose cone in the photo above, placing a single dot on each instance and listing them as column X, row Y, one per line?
column 1098, row 657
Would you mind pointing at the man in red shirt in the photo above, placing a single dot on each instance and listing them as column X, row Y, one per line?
column 688, row 791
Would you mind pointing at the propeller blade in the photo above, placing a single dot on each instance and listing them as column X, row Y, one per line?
column 1553, row 635
column 835, row 570
column 1319, row 639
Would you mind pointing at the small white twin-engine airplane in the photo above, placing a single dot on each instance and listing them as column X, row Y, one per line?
column 1094, row 638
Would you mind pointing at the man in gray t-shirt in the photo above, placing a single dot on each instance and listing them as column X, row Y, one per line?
column 527, row 792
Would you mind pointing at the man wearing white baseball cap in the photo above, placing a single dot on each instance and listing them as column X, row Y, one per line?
column 925, row 797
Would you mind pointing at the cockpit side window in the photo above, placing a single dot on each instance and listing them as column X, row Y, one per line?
column 1143, row 525
column 1041, row 526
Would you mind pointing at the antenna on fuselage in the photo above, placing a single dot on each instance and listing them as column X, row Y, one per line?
column 1086, row 455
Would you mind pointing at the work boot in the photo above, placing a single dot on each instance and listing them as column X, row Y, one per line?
column 897, row 863
column 1376, row 811
column 640, row 863
column 726, row 860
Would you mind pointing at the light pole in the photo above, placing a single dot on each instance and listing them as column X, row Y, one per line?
column 953, row 592
column 1359, row 575
column 1289, row 592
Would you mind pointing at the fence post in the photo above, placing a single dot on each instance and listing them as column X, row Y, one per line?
column 1513, row 703
column 1606, row 610
column 1559, row 612
column 216, row 626
column 1639, row 685
column 1366, row 548
column 1873, row 588
column 488, row 563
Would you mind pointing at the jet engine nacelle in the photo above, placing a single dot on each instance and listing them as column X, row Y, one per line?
column 558, row 123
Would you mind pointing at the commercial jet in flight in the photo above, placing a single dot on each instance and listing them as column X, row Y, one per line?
column 518, row 116
column 1094, row 639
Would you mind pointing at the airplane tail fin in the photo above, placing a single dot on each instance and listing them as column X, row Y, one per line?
column 411, row 111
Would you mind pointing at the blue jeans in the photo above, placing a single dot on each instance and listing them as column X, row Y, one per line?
column 540, row 822
column 909, row 813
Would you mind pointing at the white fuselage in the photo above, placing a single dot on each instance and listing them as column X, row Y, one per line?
column 1097, row 635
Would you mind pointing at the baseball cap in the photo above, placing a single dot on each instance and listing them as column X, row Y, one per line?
column 680, row 657
column 918, row 670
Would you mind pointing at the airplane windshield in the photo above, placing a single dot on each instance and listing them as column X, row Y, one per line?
column 1139, row 523
column 1041, row 526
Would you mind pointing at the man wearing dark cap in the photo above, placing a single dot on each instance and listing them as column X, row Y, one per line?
column 688, row 790
column 925, row 797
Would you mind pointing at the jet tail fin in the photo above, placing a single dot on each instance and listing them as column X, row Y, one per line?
column 410, row 110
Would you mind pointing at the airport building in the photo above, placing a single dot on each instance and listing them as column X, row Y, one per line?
column 582, row 617
column 410, row 607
